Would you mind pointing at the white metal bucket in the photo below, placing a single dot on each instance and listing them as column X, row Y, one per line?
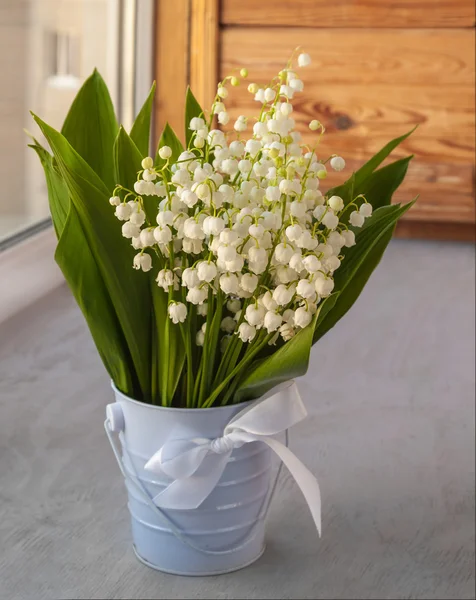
column 226, row 532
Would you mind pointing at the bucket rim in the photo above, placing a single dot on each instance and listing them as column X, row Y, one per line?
column 170, row 409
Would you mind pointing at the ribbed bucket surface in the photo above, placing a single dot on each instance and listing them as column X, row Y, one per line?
column 226, row 532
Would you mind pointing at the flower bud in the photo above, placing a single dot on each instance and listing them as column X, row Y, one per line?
column 304, row 60
column 337, row 163
column 147, row 163
column 336, row 203
column 165, row 152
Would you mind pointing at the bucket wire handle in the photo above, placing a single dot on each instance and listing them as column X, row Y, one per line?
column 136, row 482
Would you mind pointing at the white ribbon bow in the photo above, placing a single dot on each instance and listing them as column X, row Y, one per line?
column 196, row 465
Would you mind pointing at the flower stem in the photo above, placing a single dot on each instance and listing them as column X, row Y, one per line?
column 165, row 379
column 206, row 350
column 185, row 331
column 241, row 365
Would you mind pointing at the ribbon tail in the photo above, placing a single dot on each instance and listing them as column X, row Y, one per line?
column 303, row 476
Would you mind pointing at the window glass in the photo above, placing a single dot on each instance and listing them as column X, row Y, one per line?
column 47, row 49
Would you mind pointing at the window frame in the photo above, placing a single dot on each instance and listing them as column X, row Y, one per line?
column 27, row 267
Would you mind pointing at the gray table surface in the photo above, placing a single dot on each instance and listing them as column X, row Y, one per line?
column 390, row 436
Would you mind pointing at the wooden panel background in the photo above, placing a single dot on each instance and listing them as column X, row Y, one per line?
column 350, row 13
column 378, row 69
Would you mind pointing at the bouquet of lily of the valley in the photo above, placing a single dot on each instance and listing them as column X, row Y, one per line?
column 207, row 272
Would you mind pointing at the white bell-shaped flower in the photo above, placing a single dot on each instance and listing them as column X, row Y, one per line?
column 206, row 271
column 287, row 331
column 229, row 283
column 129, row 230
column 311, row 263
column 356, row 219
column 255, row 315
column 213, row 225
column 177, row 312
column 282, row 295
column 349, row 238
column 197, row 295
column 143, row 262
column 294, row 232
column 295, row 262
column 302, row 317
column 330, row 220
column 190, row 277
column 257, row 254
column 123, row 212
column 272, row 321
column 163, row 235
column 228, row 324
column 366, row 209
column 305, row 289
column 223, row 117
column 324, row 286
column 249, row 282
column 147, row 237
column 246, row 332
column 165, row 279
column 283, row 253
column 285, row 274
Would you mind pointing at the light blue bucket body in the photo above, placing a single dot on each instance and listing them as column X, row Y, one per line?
column 226, row 532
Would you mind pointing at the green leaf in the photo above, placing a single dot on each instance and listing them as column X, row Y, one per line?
column 359, row 177
column 213, row 334
column 291, row 360
column 370, row 166
column 127, row 162
column 192, row 109
column 58, row 195
column 127, row 159
column 81, row 271
column 140, row 132
column 127, row 289
column 168, row 138
column 96, row 308
column 168, row 349
column 168, row 355
column 360, row 261
column 91, row 127
column 380, row 186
